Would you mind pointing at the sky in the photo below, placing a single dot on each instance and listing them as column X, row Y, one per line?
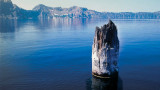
column 98, row 5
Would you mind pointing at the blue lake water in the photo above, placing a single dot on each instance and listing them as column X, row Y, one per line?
column 56, row 54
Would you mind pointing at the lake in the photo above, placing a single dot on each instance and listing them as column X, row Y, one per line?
column 56, row 54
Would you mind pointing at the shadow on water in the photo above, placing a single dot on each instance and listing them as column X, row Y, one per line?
column 11, row 25
column 7, row 25
column 95, row 83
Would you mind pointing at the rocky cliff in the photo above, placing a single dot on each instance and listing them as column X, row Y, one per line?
column 105, row 51
column 6, row 7
column 9, row 10
column 81, row 12
column 72, row 12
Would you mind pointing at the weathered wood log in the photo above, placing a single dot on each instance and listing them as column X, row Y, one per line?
column 105, row 51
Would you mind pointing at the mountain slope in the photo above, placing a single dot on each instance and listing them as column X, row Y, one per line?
column 80, row 12
column 24, row 14
column 6, row 7
column 8, row 10
column 72, row 12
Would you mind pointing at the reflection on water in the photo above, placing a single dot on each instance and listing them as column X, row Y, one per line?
column 7, row 25
column 95, row 83
column 61, row 23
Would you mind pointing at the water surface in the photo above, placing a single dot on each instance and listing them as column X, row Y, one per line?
column 56, row 54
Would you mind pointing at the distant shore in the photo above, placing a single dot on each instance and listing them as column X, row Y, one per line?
column 12, row 11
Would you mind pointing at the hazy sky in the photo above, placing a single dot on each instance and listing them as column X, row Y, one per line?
column 98, row 5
